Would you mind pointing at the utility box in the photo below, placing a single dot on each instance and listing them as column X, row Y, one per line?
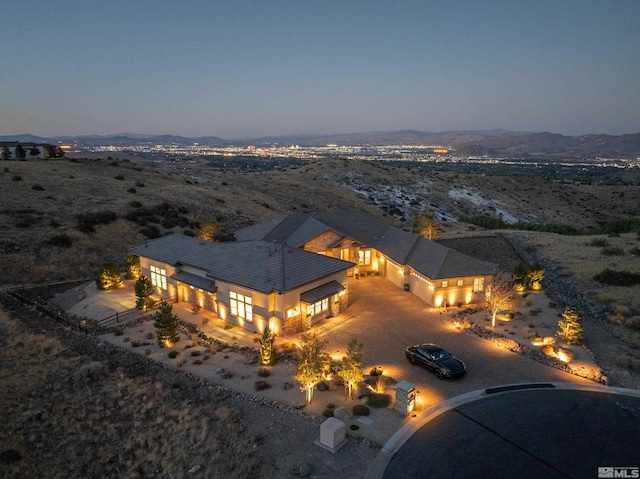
column 332, row 434
column 405, row 397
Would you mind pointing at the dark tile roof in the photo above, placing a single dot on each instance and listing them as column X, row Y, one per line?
column 427, row 257
column 259, row 265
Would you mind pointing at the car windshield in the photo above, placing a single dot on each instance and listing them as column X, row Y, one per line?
column 440, row 354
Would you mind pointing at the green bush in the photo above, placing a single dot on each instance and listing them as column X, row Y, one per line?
column 612, row 251
column 173, row 354
column 379, row 400
column 360, row 410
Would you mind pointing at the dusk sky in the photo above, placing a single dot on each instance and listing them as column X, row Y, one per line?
column 240, row 69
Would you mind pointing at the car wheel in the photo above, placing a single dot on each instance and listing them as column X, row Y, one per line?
column 411, row 359
column 439, row 374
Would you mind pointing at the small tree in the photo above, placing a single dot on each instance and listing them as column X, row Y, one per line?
column 426, row 225
column 19, row 152
column 207, row 230
column 310, row 362
column 499, row 296
column 144, row 289
column 6, row 153
column 571, row 326
column 108, row 277
column 267, row 353
column 49, row 151
column 351, row 370
column 132, row 263
column 34, row 151
column 166, row 324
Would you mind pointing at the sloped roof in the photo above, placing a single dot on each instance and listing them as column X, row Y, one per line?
column 427, row 257
column 259, row 265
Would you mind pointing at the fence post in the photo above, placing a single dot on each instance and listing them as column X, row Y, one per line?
column 117, row 318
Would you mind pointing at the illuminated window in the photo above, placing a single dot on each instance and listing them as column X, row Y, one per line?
column 478, row 284
column 460, row 282
column 241, row 306
column 344, row 254
column 158, row 277
column 364, row 257
column 445, row 284
column 293, row 312
column 318, row 307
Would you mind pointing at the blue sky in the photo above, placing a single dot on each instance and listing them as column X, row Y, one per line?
column 239, row 68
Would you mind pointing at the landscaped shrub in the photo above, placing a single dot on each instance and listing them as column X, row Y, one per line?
column 327, row 412
column 376, row 371
column 37, row 187
column 196, row 352
column 108, row 277
column 379, row 400
column 173, row 354
column 264, row 373
column 261, row 385
column 360, row 410
column 617, row 278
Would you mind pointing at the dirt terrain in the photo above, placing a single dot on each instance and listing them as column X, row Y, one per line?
column 46, row 373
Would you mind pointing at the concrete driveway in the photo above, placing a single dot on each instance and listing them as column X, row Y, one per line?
column 386, row 319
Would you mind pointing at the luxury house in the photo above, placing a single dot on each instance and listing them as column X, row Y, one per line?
column 438, row 275
column 293, row 271
column 248, row 283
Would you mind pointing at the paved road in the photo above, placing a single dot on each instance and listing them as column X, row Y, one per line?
column 386, row 319
column 526, row 434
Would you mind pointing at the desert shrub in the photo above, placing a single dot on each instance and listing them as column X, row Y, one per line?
column 379, row 400
column 196, row 352
column 37, row 187
column 327, row 412
column 635, row 251
column 88, row 221
column 198, row 361
column 227, row 374
column 62, row 240
column 118, row 332
column 119, row 177
column 331, row 406
column 612, row 251
column 135, row 204
column 90, row 372
column 360, row 410
column 261, row 385
column 599, row 242
column 16, row 178
column 139, row 184
column 132, row 190
column 628, row 362
column 151, row 231
column 617, row 278
column 173, row 354
column 264, row 373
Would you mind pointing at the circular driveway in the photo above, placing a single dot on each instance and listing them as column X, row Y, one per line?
column 387, row 319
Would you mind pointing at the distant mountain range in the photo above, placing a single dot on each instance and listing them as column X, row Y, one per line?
column 498, row 143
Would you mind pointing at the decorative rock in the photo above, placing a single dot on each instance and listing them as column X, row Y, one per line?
column 287, row 385
column 220, row 371
column 305, row 470
column 363, row 392
column 342, row 413
column 195, row 469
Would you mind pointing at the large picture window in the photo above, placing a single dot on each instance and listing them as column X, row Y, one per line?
column 241, row 306
column 478, row 285
column 158, row 277
column 318, row 307
column 364, row 257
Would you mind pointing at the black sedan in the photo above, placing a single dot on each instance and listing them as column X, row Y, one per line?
column 437, row 360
